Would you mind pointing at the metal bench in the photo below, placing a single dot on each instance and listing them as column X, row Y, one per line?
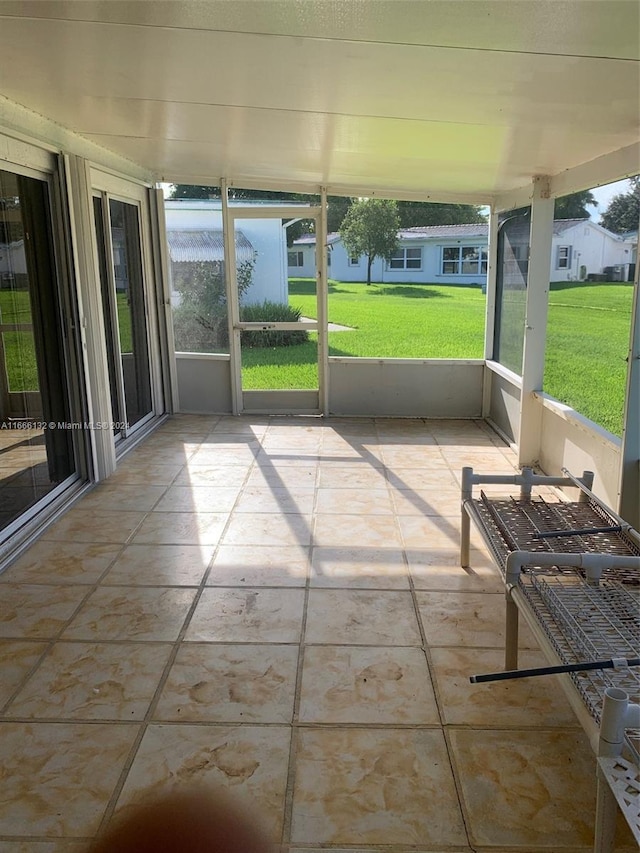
column 572, row 569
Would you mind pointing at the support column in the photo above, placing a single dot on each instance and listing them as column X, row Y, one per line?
column 535, row 329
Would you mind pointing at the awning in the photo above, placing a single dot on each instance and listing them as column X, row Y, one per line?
column 189, row 246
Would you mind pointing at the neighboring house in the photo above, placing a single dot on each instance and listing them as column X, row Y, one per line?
column 194, row 234
column 457, row 254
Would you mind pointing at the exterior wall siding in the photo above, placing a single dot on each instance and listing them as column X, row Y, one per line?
column 590, row 246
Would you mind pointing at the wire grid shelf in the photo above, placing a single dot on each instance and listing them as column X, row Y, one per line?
column 516, row 524
column 589, row 622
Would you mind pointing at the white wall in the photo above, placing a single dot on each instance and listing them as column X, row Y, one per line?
column 591, row 247
column 265, row 235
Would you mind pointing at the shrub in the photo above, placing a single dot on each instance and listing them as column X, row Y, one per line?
column 272, row 312
column 200, row 321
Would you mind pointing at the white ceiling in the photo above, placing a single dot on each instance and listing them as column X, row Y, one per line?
column 446, row 98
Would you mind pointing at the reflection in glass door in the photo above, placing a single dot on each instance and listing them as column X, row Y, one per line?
column 36, row 434
column 125, row 314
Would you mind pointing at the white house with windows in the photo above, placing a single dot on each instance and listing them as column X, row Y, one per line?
column 457, row 254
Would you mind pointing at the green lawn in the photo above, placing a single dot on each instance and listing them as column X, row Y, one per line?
column 19, row 348
column 588, row 335
column 587, row 345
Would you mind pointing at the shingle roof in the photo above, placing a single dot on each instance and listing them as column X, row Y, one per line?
column 189, row 246
column 479, row 229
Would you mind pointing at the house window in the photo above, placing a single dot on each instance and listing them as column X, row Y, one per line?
column 563, row 261
column 464, row 260
column 354, row 262
column 295, row 259
column 406, row 259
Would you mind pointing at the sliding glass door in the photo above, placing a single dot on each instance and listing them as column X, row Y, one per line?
column 40, row 446
column 125, row 311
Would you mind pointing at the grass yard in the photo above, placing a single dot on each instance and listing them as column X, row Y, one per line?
column 18, row 348
column 587, row 345
column 588, row 335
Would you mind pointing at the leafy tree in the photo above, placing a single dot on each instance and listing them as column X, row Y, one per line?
column 337, row 207
column 623, row 211
column 370, row 228
column 415, row 213
column 200, row 320
column 574, row 205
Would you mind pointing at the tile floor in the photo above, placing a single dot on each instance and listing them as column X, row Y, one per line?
column 275, row 606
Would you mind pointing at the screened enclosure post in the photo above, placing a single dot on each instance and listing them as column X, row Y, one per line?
column 233, row 313
column 162, row 289
column 535, row 324
column 322, row 286
column 629, row 505
column 490, row 309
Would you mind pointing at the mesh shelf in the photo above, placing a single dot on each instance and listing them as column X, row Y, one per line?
column 515, row 524
column 585, row 622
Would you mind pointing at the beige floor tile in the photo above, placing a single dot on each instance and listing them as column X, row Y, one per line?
column 372, row 785
column 268, row 529
column 80, row 525
column 430, row 531
column 277, row 500
column 370, row 531
column 62, row 562
column 350, row 684
column 359, row 568
column 17, row 657
column 440, row 570
column 526, row 788
column 58, row 777
column 240, row 426
column 274, row 460
column 264, row 565
column 160, row 565
column 230, row 684
column 149, row 473
column 250, row 762
column 425, row 459
column 361, row 476
column 361, row 617
column 198, row 499
column 190, row 423
column 140, row 498
column 131, row 613
column 181, row 528
column 283, row 476
column 37, row 611
column 467, row 619
column 538, row 702
column 432, row 501
column 110, row 681
column 213, row 476
column 418, row 478
column 150, row 454
column 224, row 455
column 354, row 501
column 393, row 849
column 248, row 616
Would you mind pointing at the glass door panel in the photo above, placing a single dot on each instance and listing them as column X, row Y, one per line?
column 36, row 445
column 131, row 312
column 124, row 308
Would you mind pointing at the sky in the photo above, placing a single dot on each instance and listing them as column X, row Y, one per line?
column 605, row 194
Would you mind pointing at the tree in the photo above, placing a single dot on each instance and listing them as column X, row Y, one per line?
column 371, row 228
column 415, row 213
column 623, row 211
column 574, row 205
